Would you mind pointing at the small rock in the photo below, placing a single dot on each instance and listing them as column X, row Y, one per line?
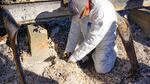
column 3, row 41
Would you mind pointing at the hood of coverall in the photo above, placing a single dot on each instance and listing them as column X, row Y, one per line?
column 77, row 6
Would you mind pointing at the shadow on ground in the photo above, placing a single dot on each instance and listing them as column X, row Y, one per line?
column 8, row 74
column 119, row 74
column 138, row 35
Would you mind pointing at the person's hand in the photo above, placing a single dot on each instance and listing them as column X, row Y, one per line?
column 72, row 59
column 66, row 55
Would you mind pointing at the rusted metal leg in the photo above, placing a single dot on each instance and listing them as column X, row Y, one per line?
column 126, row 37
column 12, row 30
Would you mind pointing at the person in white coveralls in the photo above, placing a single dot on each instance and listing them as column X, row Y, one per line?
column 93, row 27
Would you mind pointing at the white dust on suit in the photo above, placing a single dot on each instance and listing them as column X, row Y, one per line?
column 96, row 31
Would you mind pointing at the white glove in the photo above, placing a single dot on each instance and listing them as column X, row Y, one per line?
column 72, row 59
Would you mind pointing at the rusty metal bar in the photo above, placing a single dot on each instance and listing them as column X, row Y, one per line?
column 7, row 2
column 124, row 30
column 12, row 31
column 35, row 12
column 142, row 18
column 39, row 12
column 119, row 4
column 130, row 4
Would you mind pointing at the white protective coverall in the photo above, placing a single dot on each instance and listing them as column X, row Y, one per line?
column 96, row 31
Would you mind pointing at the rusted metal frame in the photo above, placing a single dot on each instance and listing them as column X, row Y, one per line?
column 142, row 18
column 124, row 30
column 35, row 12
column 8, row 2
column 130, row 4
column 32, row 12
column 12, row 30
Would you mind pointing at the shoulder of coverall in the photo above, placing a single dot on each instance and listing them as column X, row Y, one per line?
column 96, row 13
column 78, row 5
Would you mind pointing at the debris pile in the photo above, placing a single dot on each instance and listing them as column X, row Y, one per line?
column 59, row 71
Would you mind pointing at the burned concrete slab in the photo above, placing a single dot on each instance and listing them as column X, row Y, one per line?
column 39, row 51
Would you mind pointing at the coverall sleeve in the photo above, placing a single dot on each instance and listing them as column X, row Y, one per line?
column 95, row 36
column 73, row 36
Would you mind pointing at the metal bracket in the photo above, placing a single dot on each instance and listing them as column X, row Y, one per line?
column 124, row 30
column 12, row 31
